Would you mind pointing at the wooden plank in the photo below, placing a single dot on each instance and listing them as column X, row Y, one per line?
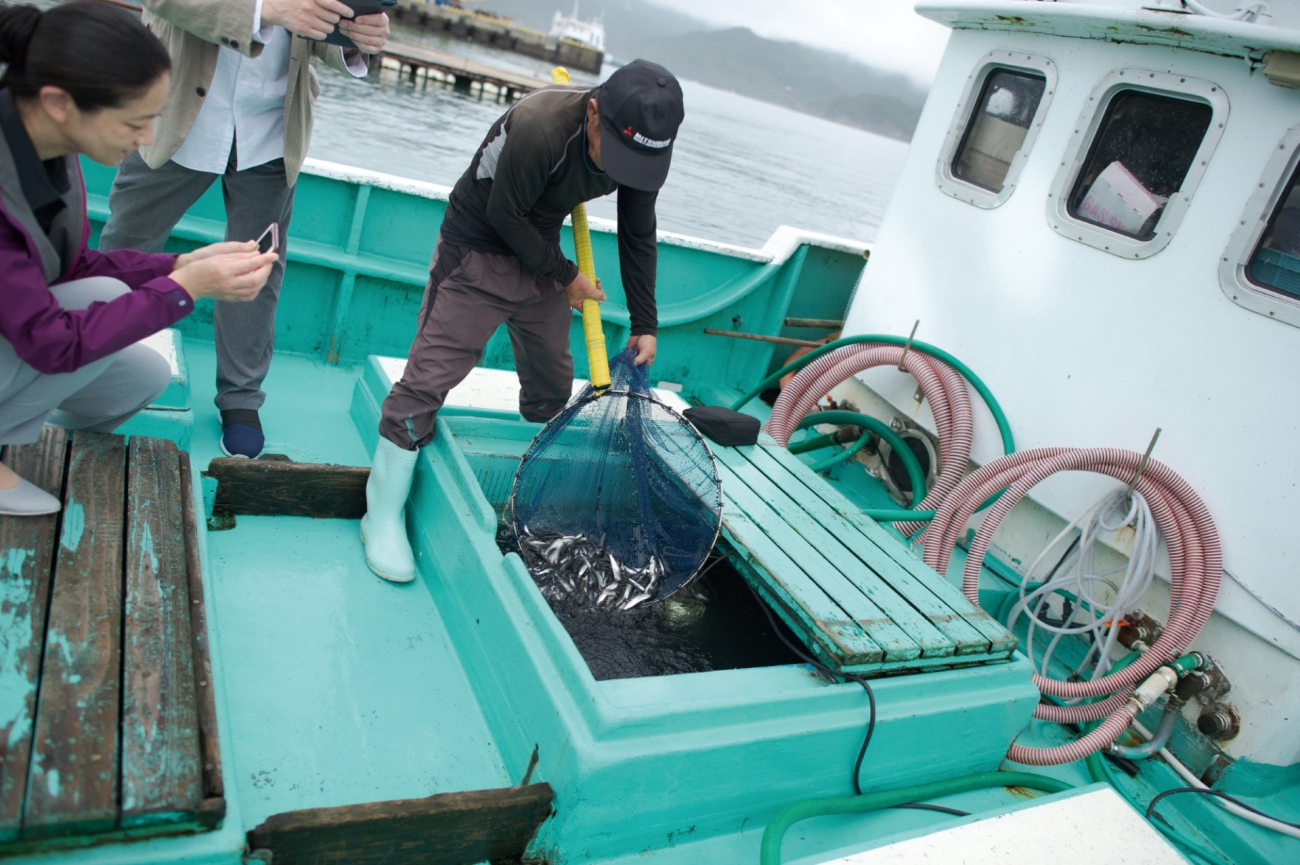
column 445, row 829
column 914, row 585
column 815, row 610
column 161, row 776
column 885, row 546
column 26, row 557
column 862, row 580
column 213, row 784
column 73, row 786
column 815, row 573
column 279, row 488
column 831, row 642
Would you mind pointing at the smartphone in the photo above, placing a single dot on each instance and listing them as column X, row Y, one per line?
column 269, row 240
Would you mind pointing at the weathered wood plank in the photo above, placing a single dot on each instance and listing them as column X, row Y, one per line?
column 280, row 488
column 213, row 785
column 805, row 606
column 161, row 775
column 26, row 559
column 1001, row 641
column 861, row 580
column 813, row 573
column 73, row 786
column 915, row 588
column 445, row 829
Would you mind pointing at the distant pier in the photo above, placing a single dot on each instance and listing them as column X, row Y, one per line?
column 497, row 32
column 417, row 62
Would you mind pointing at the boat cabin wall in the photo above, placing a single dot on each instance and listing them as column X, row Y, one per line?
column 1087, row 347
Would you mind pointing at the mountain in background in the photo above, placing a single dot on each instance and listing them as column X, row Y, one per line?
column 811, row 80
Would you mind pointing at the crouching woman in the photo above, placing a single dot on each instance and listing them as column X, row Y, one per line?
column 84, row 78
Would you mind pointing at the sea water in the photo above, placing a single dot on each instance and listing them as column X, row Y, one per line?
column 741, row 167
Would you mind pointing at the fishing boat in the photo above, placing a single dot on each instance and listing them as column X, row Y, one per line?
column 574, row 28
column 1090, row 241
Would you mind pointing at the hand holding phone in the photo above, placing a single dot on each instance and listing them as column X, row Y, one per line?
column 269, row 240
column 359, row 9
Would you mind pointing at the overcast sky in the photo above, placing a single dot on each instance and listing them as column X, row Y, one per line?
column 884, row 33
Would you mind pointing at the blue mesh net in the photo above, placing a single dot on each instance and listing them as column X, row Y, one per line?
column 617, row 501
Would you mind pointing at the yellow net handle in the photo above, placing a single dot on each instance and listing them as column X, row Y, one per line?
column 597, row 359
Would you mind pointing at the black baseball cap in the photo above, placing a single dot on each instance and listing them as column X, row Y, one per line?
column 640, row 110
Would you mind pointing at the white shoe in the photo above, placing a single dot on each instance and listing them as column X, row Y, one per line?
column 383, row 528
column 27, row 500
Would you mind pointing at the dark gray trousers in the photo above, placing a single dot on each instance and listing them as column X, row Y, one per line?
column 469, row 295
column 144, row 207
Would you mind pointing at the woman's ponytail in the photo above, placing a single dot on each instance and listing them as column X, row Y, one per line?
column 17, row 23
column 100, row 54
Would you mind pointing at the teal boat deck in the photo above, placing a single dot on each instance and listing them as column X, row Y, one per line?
column 335, row 688
column 339, row 695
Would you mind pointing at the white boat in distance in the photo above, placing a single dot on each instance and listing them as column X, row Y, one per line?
column 572, row 27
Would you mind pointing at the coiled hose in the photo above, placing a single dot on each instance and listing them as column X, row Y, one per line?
column 943, row 386
column 1196, row 567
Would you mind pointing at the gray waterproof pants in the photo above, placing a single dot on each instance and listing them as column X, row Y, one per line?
column 469, row 295
column 144, row 207
column 99, row 396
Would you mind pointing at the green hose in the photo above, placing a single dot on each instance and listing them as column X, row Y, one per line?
column 816, row 443
column 1004, row 426
column 880, row 428
column 889, row 515
column 781, row 822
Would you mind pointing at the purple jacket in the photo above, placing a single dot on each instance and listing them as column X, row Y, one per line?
column 53, row 339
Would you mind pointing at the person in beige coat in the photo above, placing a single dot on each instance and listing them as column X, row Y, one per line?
column 240, row 108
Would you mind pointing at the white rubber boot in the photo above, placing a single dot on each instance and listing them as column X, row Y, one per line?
column 383, row 528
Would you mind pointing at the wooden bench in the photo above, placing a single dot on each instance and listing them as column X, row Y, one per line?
column 107, row 724
column 851, row 591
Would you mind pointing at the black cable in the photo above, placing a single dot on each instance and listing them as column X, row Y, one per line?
column 922, row 806
column 1151, row 808
column 831, row 674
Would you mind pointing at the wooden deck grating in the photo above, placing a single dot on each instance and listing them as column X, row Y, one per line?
column 851, row 591
column 107, row 724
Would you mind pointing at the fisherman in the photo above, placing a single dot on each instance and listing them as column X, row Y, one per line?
column 240, row 109
column 498, row 260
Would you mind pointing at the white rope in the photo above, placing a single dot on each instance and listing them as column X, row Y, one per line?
column 1106, row 596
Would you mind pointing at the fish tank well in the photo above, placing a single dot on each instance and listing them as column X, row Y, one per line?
column 666, row 726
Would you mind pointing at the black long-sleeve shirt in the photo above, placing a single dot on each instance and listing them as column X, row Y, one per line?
column 528, row 174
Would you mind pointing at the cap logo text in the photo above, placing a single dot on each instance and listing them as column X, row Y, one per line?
column 650, row 142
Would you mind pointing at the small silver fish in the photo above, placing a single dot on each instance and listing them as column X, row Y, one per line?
column 635, row 600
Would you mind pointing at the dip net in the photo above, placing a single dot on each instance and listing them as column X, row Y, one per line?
column 617, row 501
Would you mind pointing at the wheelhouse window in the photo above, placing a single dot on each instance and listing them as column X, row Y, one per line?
column 1275, row 263
column 994, row 126
column 1138, row 152
column 1144, row 147
column 1003, row 116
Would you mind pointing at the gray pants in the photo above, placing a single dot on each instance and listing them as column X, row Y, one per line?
column 99, row 396
column 144, row 207
column 469, row 295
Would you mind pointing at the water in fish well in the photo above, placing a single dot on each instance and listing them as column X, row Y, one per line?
column 716, row 623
